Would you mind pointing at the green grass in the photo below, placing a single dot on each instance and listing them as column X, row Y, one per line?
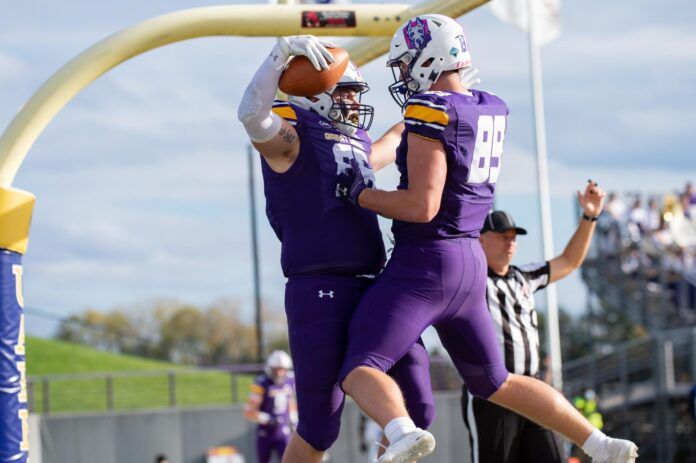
column 49, row 357
column 135, row 383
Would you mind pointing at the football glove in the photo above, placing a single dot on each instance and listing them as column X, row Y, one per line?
column 305, row 45
column 352, row 182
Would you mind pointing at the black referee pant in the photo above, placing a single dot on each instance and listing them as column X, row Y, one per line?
column 499, row 435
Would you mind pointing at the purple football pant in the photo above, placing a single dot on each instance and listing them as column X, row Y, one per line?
column 319, row 309
column 269, row 442
column 440, row 283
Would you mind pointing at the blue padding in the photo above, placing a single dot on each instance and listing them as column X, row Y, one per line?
column 13, row 405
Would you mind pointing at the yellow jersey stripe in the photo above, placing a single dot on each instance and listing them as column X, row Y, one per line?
column 256, row 389
column 425, row 114
column 286, row 112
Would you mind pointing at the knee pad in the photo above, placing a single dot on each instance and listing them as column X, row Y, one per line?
column 319, row 438
column 422, row 414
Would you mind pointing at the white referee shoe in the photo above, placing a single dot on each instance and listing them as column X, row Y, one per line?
column 411, row 447
column 622, row 451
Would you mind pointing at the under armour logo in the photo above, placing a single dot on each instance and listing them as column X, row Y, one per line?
column 341, row 191
column 322, row 294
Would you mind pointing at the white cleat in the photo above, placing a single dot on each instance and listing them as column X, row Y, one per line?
column 622, row 451
column 411, row 447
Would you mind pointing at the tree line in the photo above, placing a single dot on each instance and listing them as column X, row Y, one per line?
column 176, row 331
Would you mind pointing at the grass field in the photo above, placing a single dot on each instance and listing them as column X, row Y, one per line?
column 82, row 379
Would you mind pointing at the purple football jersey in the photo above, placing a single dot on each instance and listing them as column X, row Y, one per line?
column 471, row 129
column 275, row 399
column 321, row 232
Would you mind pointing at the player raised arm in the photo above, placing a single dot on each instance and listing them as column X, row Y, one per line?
column 273, row 137
column 591, row 201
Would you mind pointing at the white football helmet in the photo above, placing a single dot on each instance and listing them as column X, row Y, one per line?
column 277, row 359
column 421, row 50
column 347, row 116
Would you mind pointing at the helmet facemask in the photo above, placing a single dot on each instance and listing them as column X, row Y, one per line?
column 347, row 111
column 405, row 84
column 342, row 104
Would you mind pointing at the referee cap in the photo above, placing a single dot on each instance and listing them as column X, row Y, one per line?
column 500, row 221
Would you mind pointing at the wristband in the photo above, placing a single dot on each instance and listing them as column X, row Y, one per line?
column 588, row 218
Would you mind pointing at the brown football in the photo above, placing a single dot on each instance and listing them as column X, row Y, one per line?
column 301, row 79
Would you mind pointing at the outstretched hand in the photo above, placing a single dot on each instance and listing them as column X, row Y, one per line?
column 592, row 199
column 307, row 45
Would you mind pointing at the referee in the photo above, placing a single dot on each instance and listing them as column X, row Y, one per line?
column 499, row 435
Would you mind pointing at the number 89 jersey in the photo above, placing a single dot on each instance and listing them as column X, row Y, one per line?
column 321, row 231
column 471, row 128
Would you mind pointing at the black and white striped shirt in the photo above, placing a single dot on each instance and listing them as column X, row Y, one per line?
column 511, row 303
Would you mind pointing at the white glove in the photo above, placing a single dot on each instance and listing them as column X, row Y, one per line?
column 263, row 417
column 304, row 45
column 469, row 77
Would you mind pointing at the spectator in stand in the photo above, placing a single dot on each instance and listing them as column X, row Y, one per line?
column 653, row 215
column 616, row 207
column 690, row 193
column 637, row 218
column 661, row 239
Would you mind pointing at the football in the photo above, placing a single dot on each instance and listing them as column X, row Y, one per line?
column 301, row 79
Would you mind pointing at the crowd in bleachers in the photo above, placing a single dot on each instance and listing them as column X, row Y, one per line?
column 652, row 238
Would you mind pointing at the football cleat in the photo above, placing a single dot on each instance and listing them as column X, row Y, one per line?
column 411, row 447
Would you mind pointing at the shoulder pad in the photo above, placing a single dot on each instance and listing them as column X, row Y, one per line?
column 427, row 108
column 285, row 110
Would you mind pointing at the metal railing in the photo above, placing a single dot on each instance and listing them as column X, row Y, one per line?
column 642, row 387
column 100, row 392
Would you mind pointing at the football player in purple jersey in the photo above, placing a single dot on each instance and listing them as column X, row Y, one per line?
column 271, row 404
column 329, row 246
column 449, row 159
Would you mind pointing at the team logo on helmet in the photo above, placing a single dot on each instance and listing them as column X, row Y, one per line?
column 417, row 34
column 462, row 39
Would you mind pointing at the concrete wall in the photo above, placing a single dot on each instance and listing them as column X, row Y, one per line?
column 184, row 435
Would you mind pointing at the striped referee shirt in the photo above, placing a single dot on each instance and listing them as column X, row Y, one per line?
column 511, row 303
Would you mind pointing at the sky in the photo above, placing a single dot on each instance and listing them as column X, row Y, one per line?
column 141, row 180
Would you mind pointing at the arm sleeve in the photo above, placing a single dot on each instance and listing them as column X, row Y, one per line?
column 260, row 123
column 427, row 116
column 537, row 275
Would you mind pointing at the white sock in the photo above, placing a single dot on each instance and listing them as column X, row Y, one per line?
column 397, row 427
column 596, row 446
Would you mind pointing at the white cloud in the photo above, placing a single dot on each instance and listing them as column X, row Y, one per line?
column 642, row 45
column 518, row 175
column 660, row 122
